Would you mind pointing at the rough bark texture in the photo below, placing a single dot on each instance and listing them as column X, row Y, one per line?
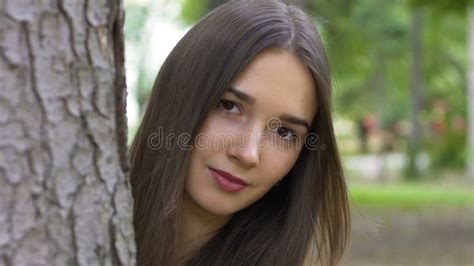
column 64, row 192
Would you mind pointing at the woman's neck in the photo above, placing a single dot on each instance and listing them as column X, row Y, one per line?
column 197, row 226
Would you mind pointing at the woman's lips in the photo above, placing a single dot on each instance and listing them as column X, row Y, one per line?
column 227, row 181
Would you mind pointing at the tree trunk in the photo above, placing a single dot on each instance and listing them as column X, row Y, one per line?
column 380, row 104
column 64, row 192
column 416, row 88
column 470, row 98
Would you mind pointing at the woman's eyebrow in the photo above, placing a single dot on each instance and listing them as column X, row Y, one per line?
column 295, row 120
column 251, row 100
column 241, row 95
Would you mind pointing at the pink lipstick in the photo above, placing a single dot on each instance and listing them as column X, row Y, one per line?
column 227, row 181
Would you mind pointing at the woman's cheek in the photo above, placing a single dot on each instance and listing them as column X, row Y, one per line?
column 280, row 162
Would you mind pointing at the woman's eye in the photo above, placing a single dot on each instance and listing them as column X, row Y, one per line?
column 286, row 133
column 230, row 106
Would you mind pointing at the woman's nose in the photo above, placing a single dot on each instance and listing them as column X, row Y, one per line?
column 244, row 149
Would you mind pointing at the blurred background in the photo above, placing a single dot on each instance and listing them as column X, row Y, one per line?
column 403, row 105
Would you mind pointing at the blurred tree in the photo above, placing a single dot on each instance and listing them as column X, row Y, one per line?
column 447, row 70
column 64, row 197
column 368, row 45
column 470, row 98
column 416, row 94
column 366, row 42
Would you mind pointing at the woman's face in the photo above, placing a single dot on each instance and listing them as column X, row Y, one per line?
column 253, row 137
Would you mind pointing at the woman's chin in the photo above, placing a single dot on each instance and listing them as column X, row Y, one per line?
column 221, row 210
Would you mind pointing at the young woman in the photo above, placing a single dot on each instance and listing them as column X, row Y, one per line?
column 235, row 161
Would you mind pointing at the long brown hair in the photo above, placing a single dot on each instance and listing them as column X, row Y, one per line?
column 311, row 202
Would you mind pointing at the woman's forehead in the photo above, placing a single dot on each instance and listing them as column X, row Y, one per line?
column 279, row 80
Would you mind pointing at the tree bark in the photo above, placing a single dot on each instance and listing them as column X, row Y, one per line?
column 470, row 98
column 64, row 191
column 416, row 90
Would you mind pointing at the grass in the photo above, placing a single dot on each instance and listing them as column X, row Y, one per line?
column 411, row 195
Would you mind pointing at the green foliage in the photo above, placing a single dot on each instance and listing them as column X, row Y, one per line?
column 192, row 10
column 445, row 67
column 445, row 59
column 448, row 151
column 442, row 5
column 368, row 46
